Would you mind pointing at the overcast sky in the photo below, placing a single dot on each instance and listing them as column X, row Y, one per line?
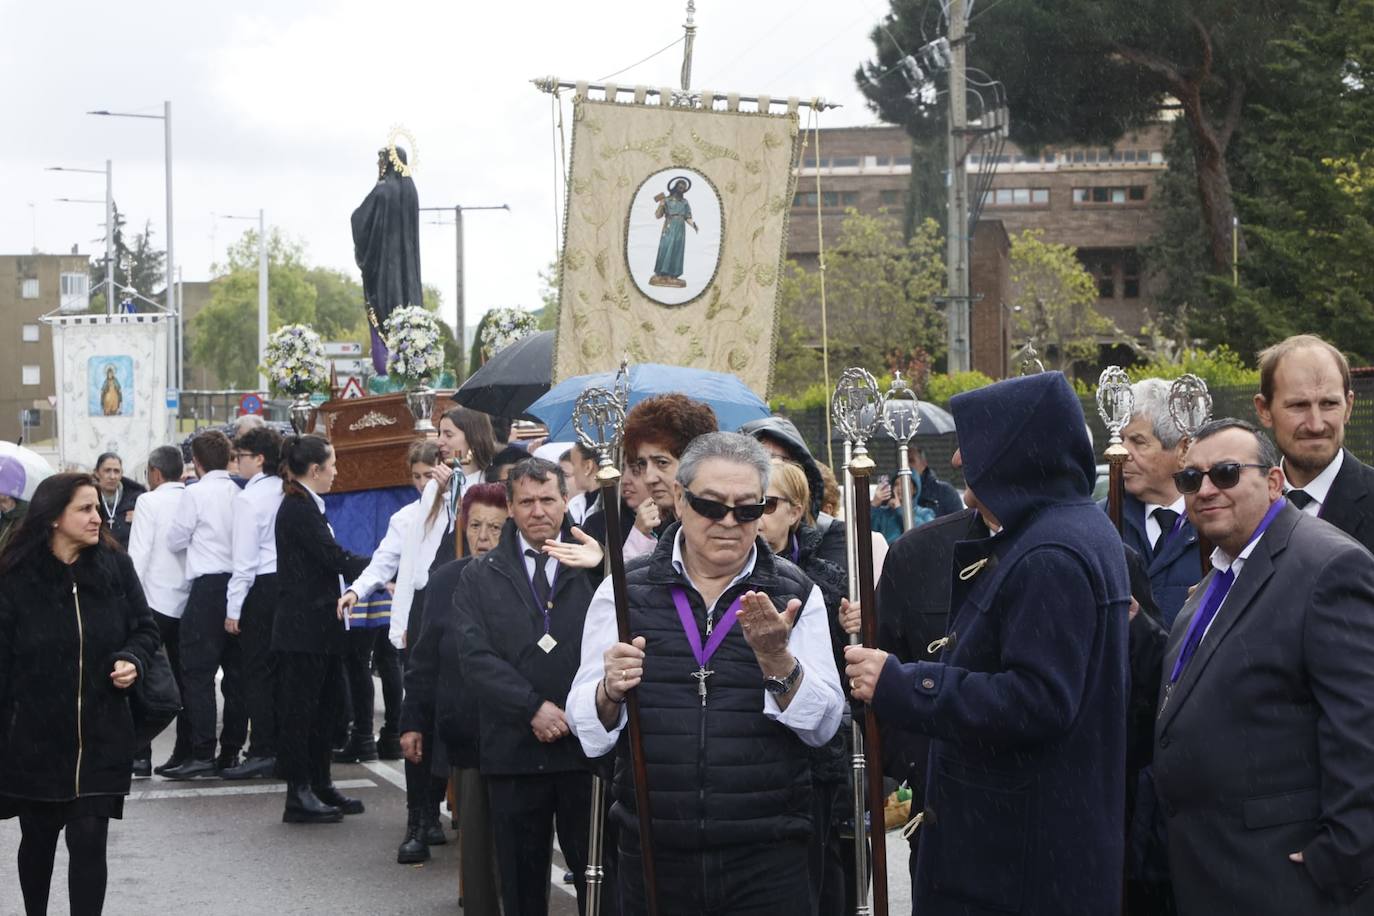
column 282, row 105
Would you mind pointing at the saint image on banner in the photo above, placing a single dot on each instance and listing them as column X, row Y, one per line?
column 673, row 236
column 109, row 382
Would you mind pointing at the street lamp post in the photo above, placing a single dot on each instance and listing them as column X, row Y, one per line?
column 108, row 172
column 460, row 370
column 177, row 342
column 262, row 293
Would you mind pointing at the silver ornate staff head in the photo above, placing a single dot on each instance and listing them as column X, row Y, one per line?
column 621, row 386
column 1027, row 359
column 901, row 410
column 1190, row 403
column 1115, row 401
column 598, row 420
column 854, row 408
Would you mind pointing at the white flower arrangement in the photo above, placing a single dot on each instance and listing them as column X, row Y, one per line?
column 295, row 361
column 504, row 326
column 415, row 352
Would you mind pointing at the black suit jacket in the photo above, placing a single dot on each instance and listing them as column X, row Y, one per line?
column 1350, row 503
column 1265, row 746
column 309, row 564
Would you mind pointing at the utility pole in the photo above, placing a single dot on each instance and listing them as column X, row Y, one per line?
column 262, row 300
column 956, row 258
column 460, row 370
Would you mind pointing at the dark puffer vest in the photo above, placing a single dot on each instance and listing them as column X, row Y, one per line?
column 722, row 774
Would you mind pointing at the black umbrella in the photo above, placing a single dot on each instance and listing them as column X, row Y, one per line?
column 511, row 380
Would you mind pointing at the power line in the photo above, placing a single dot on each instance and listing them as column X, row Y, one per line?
column 645, row 60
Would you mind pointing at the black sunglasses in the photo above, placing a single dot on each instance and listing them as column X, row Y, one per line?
column 716, row 510
column 1225, row 476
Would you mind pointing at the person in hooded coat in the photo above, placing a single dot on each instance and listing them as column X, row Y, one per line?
column 1026, row 702
column 782, row 439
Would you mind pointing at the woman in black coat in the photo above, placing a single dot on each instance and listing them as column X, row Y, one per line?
column 308, row 633
column 75, row 634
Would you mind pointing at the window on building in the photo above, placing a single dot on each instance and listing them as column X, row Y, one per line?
column 1104, row 272
column 1101, row 195
column 1040, row 195
column 1078, row 156
column 845, row 162
column 1118, row 195
column 1018, row 197
column 890, row 198
column 30, row 333
column 1137, row 192
column 29, row 288
column 882, row 160
column 1130, row 276
column 31, row 375
column 901, row 160
column 75, row 291
column 805, row 199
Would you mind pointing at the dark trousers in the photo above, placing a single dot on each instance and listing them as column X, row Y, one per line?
column 169, row 629
column 205, row 648
column 260, row 664
column 825, row 856
column 87, row 838
column 476, row 858
column 524, row 813
column 366, row 646
column 423, row 791
column 761, row 880
column 311, row 688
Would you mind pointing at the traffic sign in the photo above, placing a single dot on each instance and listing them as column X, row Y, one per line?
column 173, row 399
column 352, row 389
column 250, row 403
column 342, row 348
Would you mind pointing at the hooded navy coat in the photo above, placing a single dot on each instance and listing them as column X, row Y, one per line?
column 1026, row 705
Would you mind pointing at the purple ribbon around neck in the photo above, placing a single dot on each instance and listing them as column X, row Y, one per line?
column 689, row 626
column 1198, row 628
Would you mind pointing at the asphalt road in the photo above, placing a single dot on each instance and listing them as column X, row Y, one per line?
column 211, row 847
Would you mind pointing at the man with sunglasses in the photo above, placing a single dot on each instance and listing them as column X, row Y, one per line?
column 732, row 662
column 1265, row 726
column 1305, row 398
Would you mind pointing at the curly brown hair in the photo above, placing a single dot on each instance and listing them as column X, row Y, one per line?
column 672, row 420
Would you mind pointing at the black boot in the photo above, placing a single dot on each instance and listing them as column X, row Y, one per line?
column 303, row 807
column 359, row 748
column 413, row 849
column 142, row 768
column 332, row 796
column 430, row 829
column 389, row 745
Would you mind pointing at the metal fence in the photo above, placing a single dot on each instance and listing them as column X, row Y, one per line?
column 1226, row 402
column 200, row 409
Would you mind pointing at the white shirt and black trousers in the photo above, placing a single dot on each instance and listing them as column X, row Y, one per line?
column 252, row 601
column 729, row 773
column 520, row 621
column 203, row 527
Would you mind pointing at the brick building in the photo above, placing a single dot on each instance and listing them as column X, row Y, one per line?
column 32, row 285
column 1097, row 200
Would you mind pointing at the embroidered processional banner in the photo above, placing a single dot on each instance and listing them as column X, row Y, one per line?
column 675, row 235
column 112, row 387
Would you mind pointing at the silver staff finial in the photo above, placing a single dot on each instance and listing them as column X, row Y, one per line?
column 1190, row 404
column 901, row 410
column 855, row 408
column 1115, row 401
column 598, row 419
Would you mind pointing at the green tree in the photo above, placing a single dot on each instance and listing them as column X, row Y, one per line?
column 881, row 294
column 1090, row 70
column 1054, row 302
column 137, row 264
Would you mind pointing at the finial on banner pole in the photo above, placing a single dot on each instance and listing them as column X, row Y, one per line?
column 690, row 28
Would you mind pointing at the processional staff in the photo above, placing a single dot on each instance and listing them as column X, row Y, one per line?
column 1115, row 404
column 854, row 407
column 901, row 419
column 598, row 420
column 1190, row 406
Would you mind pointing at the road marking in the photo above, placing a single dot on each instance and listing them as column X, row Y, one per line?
column 262, row 788
column 390, row 775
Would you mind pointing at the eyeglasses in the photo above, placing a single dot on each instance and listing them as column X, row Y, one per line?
column 716, row 510
column 771, row 503
column 1224, row 476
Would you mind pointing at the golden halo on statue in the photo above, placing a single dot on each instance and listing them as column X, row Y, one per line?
column 403, row 169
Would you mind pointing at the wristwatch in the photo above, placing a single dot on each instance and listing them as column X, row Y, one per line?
column 778, row 686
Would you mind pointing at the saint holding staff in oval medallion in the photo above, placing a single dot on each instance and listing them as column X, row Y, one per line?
column 676, row 214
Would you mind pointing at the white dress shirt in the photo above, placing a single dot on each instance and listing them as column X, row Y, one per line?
column 161, row 569
column 421, row 544
column 1319, row 488
column 253, row 537
column 813, row 714
column 1222, row 561
column 386, row 559
column 577, row 508
column 204, row 524
column 1153, row 530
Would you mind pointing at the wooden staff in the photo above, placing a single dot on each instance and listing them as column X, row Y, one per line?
column 860, row 467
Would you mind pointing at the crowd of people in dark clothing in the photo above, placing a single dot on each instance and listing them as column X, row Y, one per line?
column 1176, row 717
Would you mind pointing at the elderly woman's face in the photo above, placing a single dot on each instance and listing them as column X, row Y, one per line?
column 720, row 544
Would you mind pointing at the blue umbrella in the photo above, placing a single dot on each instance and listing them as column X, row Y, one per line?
column 734, row 403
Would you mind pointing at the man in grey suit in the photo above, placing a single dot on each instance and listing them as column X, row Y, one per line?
column 1264, row 739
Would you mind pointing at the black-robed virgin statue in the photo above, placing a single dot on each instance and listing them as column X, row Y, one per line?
column 386, row 245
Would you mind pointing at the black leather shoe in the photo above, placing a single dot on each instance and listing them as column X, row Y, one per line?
column 569, row 878
column 389, row 746
column 227, row 760
column 142, row 768
column 252, row 768
column 413, row 849
column 171, row 763
column 332, row 796
column 303, row 807
column 360, row 748
column 431, row 831
column 192, row 769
